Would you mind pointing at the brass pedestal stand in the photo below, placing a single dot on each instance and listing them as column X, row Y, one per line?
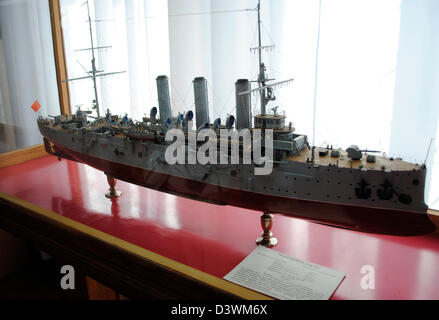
column 266, row 239
column 114, row 193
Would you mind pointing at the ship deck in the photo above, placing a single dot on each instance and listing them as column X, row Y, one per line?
column 344, row 162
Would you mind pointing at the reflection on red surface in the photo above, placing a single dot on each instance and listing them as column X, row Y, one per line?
column 214, row 239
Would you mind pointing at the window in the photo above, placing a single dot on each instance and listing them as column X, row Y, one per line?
column 27, row 72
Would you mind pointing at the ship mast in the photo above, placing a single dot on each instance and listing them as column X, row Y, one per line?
column 93, row 64
column 94, row 73
column 265, row 91
column 261, row 79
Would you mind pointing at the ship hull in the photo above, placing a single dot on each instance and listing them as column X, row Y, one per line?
column 372, row 220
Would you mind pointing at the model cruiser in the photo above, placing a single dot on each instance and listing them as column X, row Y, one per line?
column 353, row 188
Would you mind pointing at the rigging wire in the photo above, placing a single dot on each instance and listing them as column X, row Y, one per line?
column 187, row 93
column 268, row 33
column 227, row 102
column 175, row 15
column 148, row 65
column 179, row 96
column 215, row 97
column 248, row 11
column 316, row 75
column 209, row 12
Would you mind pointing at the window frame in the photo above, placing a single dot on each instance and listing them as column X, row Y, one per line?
column 59, row 53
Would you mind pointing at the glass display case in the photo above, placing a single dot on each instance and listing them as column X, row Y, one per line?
column 28, row 74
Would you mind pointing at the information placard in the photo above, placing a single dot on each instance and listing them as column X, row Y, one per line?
column 283, row 277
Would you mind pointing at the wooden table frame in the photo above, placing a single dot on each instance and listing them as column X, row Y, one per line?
column 133, row 271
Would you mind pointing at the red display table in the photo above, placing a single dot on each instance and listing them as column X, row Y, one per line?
column 204, row 242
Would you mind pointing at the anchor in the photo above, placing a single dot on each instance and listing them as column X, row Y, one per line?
column 363, row 192
column 386, row 193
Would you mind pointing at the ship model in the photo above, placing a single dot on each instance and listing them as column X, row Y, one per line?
column 353, row 188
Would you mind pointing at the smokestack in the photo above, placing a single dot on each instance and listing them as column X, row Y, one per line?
column 201, row 102
column 243, row 105
column 164, row 99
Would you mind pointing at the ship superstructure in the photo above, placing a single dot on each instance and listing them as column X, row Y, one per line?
column 351, row 188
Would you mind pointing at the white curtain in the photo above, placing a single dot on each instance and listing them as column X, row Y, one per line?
column 416, row 103
column 27, row 71
column 375, row 80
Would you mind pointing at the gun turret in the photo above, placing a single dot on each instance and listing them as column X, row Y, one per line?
column 354, row 152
